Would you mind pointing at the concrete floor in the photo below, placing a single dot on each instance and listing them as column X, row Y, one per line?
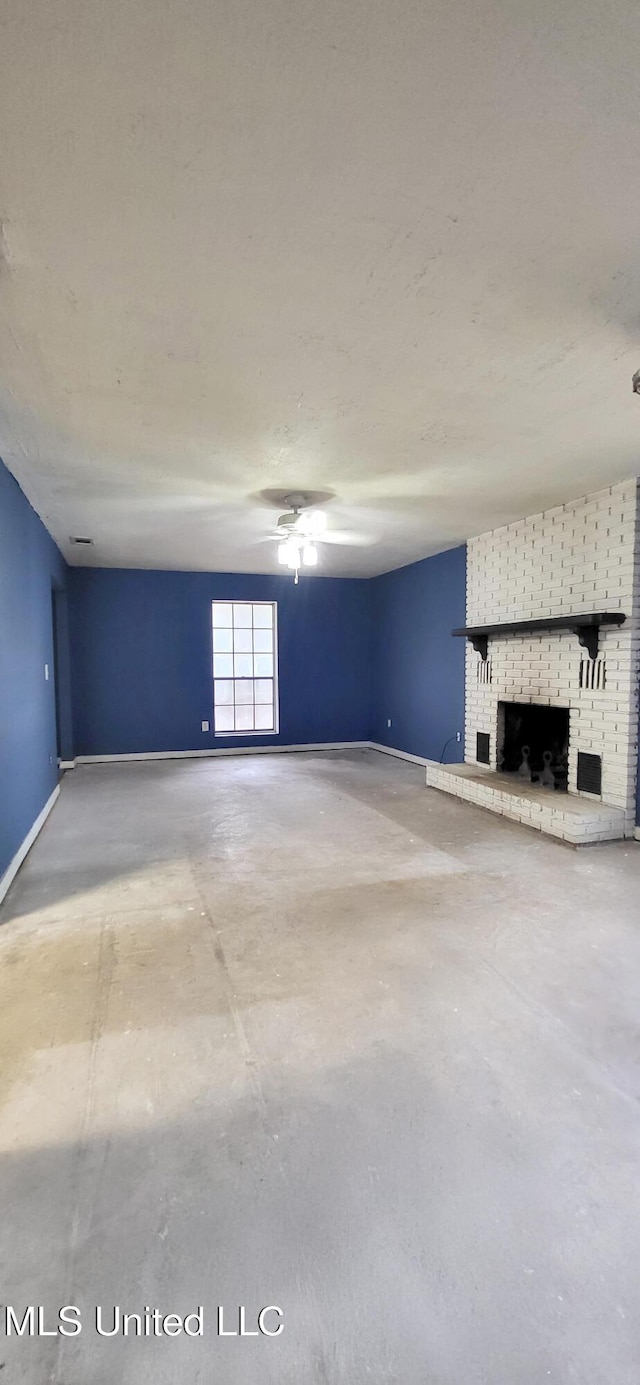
column 295, row 1030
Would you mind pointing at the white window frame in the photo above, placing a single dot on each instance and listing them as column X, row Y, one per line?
column 276, row 696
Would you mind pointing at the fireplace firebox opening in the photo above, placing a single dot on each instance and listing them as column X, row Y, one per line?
column 533, row 743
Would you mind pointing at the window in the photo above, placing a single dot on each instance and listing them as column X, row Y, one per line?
column 245, row 668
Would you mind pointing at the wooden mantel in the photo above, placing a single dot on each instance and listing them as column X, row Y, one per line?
column 585, row 625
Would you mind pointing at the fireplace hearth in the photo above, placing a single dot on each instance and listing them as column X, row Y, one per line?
column 533, row 743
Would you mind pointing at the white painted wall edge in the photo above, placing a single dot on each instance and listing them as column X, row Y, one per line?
column 208, row 754
column 14, row 866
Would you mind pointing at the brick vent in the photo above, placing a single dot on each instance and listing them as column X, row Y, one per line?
column 483, row 671
column 589, row 773
column 483, row 748
column 593, row 675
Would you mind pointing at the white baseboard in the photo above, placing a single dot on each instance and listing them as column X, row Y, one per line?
column 14, row 866
column 224, row 750
column 66, row 764
column 247, row 750
column 637, row 834
column 402, row 754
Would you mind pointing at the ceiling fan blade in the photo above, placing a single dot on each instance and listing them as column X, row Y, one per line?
column 349, row 537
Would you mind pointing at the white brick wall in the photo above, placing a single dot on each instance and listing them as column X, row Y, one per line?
column 580, row 557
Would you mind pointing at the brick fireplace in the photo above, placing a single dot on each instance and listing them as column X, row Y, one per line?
column 574, row 560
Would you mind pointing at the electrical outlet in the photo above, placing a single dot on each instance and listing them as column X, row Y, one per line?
column 388, row 721
column 458, row 735
column 205, row 726
column 46, row 673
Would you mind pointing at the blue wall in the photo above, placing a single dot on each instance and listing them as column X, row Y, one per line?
column 30, row 565
column 141, row 654
column 351, row 654
column 418, row 669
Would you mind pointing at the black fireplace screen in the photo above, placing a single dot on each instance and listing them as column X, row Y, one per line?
column 533, row 742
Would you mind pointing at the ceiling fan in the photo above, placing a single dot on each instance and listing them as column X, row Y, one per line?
column 298, row 532
column 301, row 528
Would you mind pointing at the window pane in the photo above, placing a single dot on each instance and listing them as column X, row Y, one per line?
column 221, row 613
column 222, row 640
column 263, row 616
column 262, row 640
column 264, row 690
column 223, row 692
column 244, row 691
column 223, row 665
column 264, row 665
column 264, row 719
column 224, row 719
column 242, row 614
column 243, row 665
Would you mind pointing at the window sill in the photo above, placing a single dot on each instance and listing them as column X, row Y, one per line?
column 241, row 735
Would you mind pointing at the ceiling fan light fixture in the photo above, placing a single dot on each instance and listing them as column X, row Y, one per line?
column 298, row 533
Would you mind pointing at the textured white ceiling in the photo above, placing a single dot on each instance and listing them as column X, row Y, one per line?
column 386, row 248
